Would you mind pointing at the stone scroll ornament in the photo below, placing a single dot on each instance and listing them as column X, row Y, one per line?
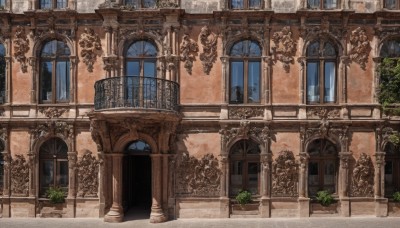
column 284, row 47
column 198, row 177
column 88, row 171
column 209, row 41
column 189, row 49
column 360, row 47
column 90, row 44
column 284, row 175
column 21, row 47
column 363, row 177
column 19, row 176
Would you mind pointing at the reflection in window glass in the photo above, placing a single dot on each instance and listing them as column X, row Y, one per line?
column 253, row 88
column 312, row 82
column 46, row 78
column 138, row 147
column 254, row 4
column 46, row 4
column 237, row 82
column 391, row 4
column 237, row 4
column 329, row 82
column 62, row 4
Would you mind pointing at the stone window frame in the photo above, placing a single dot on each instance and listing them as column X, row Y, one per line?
column 141, row 2
column 321, row 5
column 7, row 76
column 245, row 5
column 54, row 4
column 396, row 5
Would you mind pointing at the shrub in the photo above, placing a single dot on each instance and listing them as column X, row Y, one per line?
column 325, row 198
column 55, row 195
column 243, row 197
column 396, row 196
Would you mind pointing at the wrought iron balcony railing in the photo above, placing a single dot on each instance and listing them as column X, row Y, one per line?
column 136, row 92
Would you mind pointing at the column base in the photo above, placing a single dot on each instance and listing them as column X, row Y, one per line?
column 381, row 207
column 114, row 216
column 304, row 207
column 224, row 210
column 345, row 207
column 265, row 207
column 157, row 217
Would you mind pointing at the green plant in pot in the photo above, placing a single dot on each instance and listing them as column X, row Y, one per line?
column 243, row 197
column 325, row 198
column 396, row 197
column 55, row 195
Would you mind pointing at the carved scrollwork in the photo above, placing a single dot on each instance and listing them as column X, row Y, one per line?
column 88, row 171
column 285, row 47
column 363, row 177
column 209, row 41
column 167, row 4
column 321, row 112
column 52, row 112
column 90, row 44
column 19, row 176
column 53, row 128
column 198, row 177
column 110, row 63
column 245, row 131
column 360, row 47
column 245, row 112
column 95, row 132
column 284, row 175
column 189, row 49
column 21, row 47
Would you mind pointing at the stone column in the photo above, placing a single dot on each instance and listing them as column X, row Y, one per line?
column 265, row 185
column 31, row 162
column 102, row 183
column 304, row 201
column 116, row 213
column 6, row 185
column 71, row 174
column 223, row 199
column 381, row 207
column 157, row 214
column 344, row 183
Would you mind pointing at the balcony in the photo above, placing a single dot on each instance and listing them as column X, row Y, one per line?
column 136, row 93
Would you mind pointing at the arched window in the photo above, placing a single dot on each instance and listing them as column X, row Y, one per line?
column 245, row 167
column 2, row 74
column 245, row 4
column 322, row 166
column 53, row 4
column 54, row 72
column 392, row 169
column 391, row 4
column 141, row 3
column 1, row 167
column 53, row 165
column 388, row 76
column 141, row 69
column 138, row 148
column 321, row 72
column 322, row 4
column 245, row 72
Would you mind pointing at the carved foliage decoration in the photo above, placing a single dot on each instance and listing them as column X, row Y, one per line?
column 95, row 132
column 360, row 47
column 198, row 177
column 88, row 171
column 189, row 49
column 363, row 177
column 21, row 47
column 167, row 4
column 246, row 131
column 19, row 176
column 284, row 47
column 245, row 112
column 322, row 113
column 53, row 112
column 284, row 175
column 53, row 128
column 90, row 44
column 209, row 41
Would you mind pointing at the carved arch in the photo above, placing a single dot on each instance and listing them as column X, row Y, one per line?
column 127, row 138
column 124, row 43
column 232, row 142
column 39, row 43
column 332, row 138
column 325, row 36
column 232, row 40
column 383, row 40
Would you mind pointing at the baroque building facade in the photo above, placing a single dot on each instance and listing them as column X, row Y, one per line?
column 176, row 106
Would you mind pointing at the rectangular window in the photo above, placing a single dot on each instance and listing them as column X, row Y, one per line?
column 46, row 175
column 237, row 4
column 330, row 82
column 46, row 4
column 132, row 84
column 330, row 4
column 62, row 81
column 312, row 82
column 254, row 4
column 62, row 174
column 149, row 84
column 62, row 4
column 237, row 82
column 46, row 83
column 390, row 4
column 253, row 82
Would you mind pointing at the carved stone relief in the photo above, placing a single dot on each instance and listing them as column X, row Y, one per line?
column 209, row 41
column 21, row 47
column 91, row 45
column 284, row 175
column 189, row 49
column 167, row 4
column 245, row 112
column 363, row 177
column 88, row 172
column 360, row 47
column 19, row 176
column 95, row 133
column 245, row 131
column 53, row 128
column 52, row 112
column 320, row 112
column 284, row 47
column 198, row 177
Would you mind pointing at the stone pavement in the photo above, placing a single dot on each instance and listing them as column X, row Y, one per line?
column 320, row 222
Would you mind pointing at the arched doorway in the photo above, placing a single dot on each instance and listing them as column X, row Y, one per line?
column 136, row 186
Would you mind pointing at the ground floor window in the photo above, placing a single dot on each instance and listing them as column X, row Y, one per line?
column 392, row 169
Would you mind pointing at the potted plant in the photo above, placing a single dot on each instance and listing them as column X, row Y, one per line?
column 55, row 195
column 325, row 198
column 243, row 198
column 325, row 203
column 396, row 197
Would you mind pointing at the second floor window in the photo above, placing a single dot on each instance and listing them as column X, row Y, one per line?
column 245, row 4
column 3, row 3
column 321, row 4
column 391, row 4
column 141, row 3
column 51, row 4
column 2, row 74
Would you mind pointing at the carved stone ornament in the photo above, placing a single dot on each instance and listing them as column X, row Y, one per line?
column 19, row 176
column 95, row 132
column 284, row 47
column 167, row 4
column 52, row 112
column 209, row 41
column 88, row 172
column 53, row 128
column 21, row 47
column 4, row 136
column 363, row 177
column 360, row 47
column 245, row 112
column 198, row 177
column 189, row 49
column 110, row 63
column 91, row 45
column 320, row 112
column 284, row 175
column 245, row 131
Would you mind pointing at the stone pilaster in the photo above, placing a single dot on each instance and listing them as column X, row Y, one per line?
column 157, row 214
column 381, row 208
column 265, row 185
column 224, row 200
column 304, row 201
column 344, row 183
column 6, row 185
column 116, row 213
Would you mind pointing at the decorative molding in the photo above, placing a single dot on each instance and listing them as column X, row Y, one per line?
column 363, row 177
column 52, row 112
column 4, row 136
column 189, row 49
column 19, row 176
column 90, row 44
column 110, row 63
column 245, row 112
column 54, row 128
column 285, row 175
column 96, row 136
column 322, row 112
column 245, row 131
column 209, row 41
column 167, row 4
column 198, row 177
column 21, row 47
column 360, row 47
column 285, row 47
column 88, row 175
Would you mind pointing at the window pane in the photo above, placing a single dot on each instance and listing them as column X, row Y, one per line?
column 55, row 48
column 45, row 82
column 236, row 177
column 142, row 49
column 313, row 49
column 330, row 85
column 149, row 69
column 255, row 4
column 62, row 81
column 313, row 4
column 329, row 4
column 3, row 3
column 1, row 172
column 390, row 4
column 132, row 68
column 45, row 4
column 237, row 82
column 47, row 174
column 313, row 173
column 149, row 3
column 237, row 4
column 252, row 173
column 62, row 173
column 312, row 82
column 253, row 82
column 61, row 4
column 329, row 177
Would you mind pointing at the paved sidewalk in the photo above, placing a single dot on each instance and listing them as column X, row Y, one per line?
column 354, row 222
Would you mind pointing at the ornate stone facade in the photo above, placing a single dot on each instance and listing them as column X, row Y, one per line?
column 284, row 175
column 90, row 45
column 209, row 42
column 363, row 177
column 88, row 175
column 19, row 176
